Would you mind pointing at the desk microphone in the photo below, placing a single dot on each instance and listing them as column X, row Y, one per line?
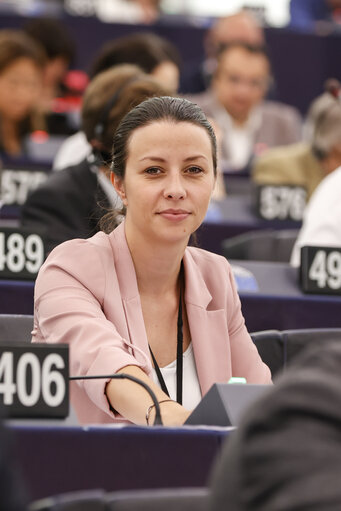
column 124, row 376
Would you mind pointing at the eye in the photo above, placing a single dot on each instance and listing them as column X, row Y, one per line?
column 153, row 171
column 193, row 169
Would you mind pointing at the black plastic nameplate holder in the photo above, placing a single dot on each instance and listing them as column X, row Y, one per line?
column 280, row 202
column 320, row 270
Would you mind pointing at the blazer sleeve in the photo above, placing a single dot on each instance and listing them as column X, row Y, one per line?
column 246, row 361
column 69, row 299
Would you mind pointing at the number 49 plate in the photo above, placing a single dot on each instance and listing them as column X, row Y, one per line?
column 34, row 380
column 320, row 270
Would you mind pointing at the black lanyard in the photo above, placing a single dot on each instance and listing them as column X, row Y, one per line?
column 179, row 359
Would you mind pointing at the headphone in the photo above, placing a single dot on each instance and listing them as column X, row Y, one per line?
column 100, row 126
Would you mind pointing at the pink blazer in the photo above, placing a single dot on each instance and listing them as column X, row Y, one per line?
column 86, row 295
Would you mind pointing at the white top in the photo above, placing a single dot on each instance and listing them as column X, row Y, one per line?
column 72, row 151
column 322, row 217
column 191, row 393
column 240, row 139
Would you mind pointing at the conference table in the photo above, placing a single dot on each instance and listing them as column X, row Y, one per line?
column 272, row 299
column 232, row 216
column 56, row 459
column 269, row 292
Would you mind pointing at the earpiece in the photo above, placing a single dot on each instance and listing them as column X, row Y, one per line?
column 100, row 126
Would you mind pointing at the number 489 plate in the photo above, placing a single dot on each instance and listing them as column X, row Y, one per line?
column 22, row 252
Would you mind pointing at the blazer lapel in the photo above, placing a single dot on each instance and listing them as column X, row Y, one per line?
column 208, row 326
column 208, row 329
column 130, row 296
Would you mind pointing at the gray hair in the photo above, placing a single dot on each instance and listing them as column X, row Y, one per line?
column 323, row 125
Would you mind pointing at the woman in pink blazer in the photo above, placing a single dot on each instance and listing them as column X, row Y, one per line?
column 139, row 300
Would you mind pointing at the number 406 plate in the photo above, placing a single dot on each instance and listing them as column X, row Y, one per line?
column 34, row 380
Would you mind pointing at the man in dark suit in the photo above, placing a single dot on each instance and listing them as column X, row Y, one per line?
column 286, row 454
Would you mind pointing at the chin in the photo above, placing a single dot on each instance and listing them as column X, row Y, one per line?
column 178, row 234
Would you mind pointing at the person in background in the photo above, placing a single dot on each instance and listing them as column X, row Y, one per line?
column 138, row 300
column 236, row 102
column 285, row 454
column 154, row 55
column 70, row 203
column 21, row 69
column 322, row 216
column 241, row 26
column 306, row 163
column 59, row 48
column 322, row 16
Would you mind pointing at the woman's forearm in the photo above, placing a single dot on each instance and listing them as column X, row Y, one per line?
column 132, row 400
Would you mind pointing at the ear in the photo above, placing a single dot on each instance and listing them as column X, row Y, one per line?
column 119, row 187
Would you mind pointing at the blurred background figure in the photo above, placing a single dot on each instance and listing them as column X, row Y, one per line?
column 306, row 163
column 241, row 27
column 61, row 115
column 285, row 455
column 120, row 11
column 21, row 70
column 322, row 216
column 154, row 55
column 59, row 47
column 70, row 203
column 315, row 15
column 236, row 102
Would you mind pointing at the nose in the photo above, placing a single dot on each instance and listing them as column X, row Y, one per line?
column 174, row 188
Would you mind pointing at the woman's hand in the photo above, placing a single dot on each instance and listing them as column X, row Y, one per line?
column 172, row 414
column 132, row 401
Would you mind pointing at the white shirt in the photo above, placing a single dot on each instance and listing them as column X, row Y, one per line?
column 240, row 140
column 72, row 151
column 191, row 393
column 322, row 217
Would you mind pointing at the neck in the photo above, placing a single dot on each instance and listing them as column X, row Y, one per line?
column 330, row 164
column 157, row 267
column 240, row 121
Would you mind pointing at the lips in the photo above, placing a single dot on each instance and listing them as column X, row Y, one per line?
column 174, row 215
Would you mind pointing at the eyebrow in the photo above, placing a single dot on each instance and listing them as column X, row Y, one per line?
column 189, row 158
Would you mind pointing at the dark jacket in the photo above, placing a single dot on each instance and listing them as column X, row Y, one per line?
column 286, row 454
column 69, row 204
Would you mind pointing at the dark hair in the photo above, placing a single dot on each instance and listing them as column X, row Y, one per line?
column 146, row 50
column 15, row 44
column 52, row 36
column 163, row 108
